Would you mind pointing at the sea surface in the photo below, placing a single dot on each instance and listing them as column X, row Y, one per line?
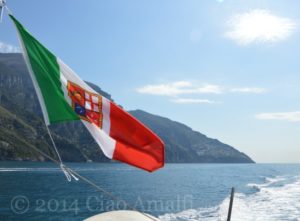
column 178, row 192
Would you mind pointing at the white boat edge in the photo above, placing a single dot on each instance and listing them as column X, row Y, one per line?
column 122, row 215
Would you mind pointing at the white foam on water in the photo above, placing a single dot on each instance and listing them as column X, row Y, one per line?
column 271, row 203
column 28, row 169
column 268, row 182
column 44, row 169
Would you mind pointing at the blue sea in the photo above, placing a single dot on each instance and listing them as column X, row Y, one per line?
column 178, row 192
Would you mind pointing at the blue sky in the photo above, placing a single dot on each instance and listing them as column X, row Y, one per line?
column 229, row 69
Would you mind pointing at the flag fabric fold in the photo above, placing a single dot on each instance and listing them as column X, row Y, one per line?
column 64, row 96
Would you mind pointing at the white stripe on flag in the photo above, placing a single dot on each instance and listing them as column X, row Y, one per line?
column 70, row 75
column 106, row 115
column 106, row 143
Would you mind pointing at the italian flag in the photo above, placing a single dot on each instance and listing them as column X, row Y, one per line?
column 63, row 96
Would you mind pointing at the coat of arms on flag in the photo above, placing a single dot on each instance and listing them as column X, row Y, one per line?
column 87, row 105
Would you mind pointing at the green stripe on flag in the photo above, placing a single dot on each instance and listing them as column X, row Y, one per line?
column 47, row 74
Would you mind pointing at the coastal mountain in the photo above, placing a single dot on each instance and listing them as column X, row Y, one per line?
column 22, row 127
column 185, row 145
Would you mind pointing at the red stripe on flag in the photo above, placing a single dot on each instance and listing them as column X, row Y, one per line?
column 136, row 144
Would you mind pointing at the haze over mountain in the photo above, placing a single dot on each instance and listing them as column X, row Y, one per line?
column 21, row 126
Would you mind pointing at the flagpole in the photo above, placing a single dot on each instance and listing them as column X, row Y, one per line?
column 69, row 175
column 8, row 10
column 230, row 204
column 53, row 144
column 2, row 6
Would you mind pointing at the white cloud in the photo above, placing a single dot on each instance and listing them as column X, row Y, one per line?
column 186, row 87
column 7, row 48
column 192, row 101
column 259, row 26
column 251, row 90
column 285, row 116
column 179, row 88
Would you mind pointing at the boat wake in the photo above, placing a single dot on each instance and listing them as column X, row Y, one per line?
column 276, row 200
